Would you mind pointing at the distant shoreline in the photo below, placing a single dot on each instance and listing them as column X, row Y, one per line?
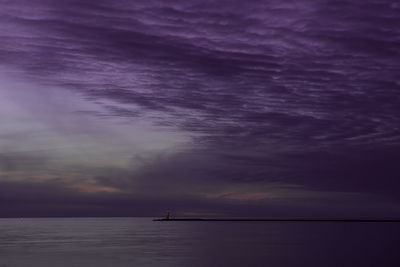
column 271, row 220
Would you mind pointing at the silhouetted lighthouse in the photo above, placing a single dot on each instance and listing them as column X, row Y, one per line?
column 167, row 215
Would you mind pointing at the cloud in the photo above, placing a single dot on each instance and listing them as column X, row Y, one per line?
column 196, row 94
column 22, row 161
column 310, row 72
column 55, row 198
column 245, row 196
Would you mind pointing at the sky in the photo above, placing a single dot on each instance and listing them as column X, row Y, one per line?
column 205, row 108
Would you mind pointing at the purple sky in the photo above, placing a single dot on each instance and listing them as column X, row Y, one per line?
column 218, row 108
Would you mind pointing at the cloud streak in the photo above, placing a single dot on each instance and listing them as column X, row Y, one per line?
column 188, row 95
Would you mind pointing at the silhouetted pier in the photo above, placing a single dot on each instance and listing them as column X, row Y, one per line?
column 273, row 220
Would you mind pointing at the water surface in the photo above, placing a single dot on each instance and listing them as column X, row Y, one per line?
column 100, row 242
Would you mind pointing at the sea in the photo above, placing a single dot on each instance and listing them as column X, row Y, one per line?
column 115, row 242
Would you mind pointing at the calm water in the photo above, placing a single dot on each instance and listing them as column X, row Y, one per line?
column 142, row 242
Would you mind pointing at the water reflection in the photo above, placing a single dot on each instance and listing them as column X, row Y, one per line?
column 142, row 242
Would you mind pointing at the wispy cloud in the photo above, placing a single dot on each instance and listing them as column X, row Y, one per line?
column 187, row 95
